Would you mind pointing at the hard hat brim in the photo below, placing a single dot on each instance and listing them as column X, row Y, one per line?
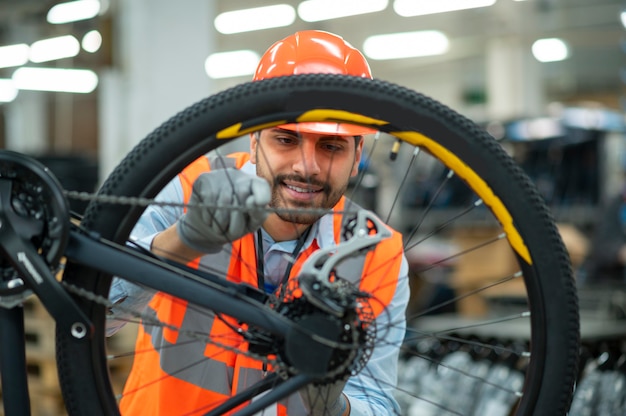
column 329, row 128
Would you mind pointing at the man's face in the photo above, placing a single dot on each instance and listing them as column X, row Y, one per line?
column 305, row 170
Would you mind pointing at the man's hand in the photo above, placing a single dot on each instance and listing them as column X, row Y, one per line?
column 207, row 228
column 325, row 400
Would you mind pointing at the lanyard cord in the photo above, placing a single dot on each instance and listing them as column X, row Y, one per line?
column 260, row 264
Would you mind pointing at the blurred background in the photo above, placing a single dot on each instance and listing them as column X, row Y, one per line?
column 82, row 82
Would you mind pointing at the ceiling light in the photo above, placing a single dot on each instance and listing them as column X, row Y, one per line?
column 409, row 8
column 73, row 11
column 54, row 48
column 622, row 17
column 317, row 10
column 247, row 20
column 550, row 50
column 8, row 92
column 231, row 64
column 405, row 45
column 55, row 79
column 13, row 55
column 92, row 41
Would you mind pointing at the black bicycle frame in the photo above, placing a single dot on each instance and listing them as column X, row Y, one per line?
column 242, row 302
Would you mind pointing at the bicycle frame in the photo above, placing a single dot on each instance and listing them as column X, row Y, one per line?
column 242, row 302
column 220, row 295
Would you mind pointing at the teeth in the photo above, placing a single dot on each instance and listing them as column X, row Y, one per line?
column 295, row 188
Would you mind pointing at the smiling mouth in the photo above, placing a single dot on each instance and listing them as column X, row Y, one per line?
column 303, row 190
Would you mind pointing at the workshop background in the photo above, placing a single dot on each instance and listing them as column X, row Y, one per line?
column 542, row 76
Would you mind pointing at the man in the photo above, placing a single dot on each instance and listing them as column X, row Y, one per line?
column 289, row 167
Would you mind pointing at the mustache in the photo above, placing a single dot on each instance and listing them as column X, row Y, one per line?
column 299, row 178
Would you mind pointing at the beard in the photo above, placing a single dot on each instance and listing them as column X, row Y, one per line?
column 301, row 212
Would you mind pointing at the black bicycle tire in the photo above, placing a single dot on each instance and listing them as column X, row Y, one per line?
column 187, row 135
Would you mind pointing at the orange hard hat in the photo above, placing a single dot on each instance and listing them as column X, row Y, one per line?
column 315, row 52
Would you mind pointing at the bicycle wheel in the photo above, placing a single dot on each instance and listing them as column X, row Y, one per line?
column 471, row 220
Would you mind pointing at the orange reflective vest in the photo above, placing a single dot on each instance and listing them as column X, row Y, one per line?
column 177, row 372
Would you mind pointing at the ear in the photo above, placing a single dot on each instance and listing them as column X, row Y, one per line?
column 357, row 157
column 254, row 141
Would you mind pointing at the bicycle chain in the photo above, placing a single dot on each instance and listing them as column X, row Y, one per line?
column 277, row 366
column 118, row 200
column 144, row 202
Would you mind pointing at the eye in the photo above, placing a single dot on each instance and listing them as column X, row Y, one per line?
column 286, row 140
column 333, row 146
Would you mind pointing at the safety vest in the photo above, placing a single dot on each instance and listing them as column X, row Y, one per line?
column 177, row 372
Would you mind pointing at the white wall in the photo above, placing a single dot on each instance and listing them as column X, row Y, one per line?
column 158, row 70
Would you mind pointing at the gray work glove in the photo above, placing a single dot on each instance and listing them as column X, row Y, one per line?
column 324, row 400
column 206, row 229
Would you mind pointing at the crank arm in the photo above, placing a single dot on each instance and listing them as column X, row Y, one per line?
column 35, row 273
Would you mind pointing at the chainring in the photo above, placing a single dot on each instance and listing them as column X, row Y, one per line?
column 35, row 196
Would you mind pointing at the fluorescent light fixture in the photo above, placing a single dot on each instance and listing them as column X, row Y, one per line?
column 92, row 41
column 257, row 18
column 317, row 10
column 14, row 55
column 550, row 50
column 409, row 8
column 73, row 11
column 8, row 92
column 54, row 48
column 231, row 64
column 622, row 17
column 406, row 45
column 55, row 79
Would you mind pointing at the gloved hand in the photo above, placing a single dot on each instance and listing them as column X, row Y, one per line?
column 207, row 229
column 325, row 400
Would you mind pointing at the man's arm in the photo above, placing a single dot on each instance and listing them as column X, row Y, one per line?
column 167, row 244
column 204, row 228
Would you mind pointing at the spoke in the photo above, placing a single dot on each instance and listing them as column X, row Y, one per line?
column 416, row 152
column 362, row 171
column 440, row 188
column 461, row 253
column 267, row 383
column 425, row 336
column 440, row 406
column 441, row 226
column 467, row 374
column 480, row 324
column 283, row 390
column 466, row 295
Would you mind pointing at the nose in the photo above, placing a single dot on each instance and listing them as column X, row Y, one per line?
column 306, row 163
